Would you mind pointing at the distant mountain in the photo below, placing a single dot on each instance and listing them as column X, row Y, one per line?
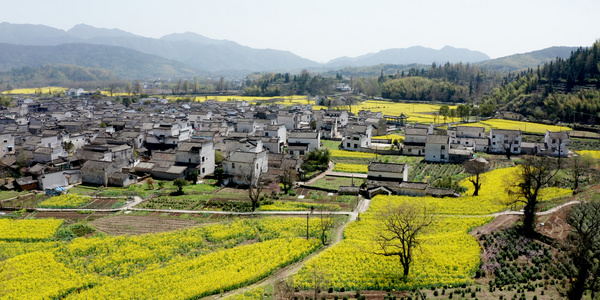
column 412, row 55
column 528, row 60
column 51, row 75
column 124, row 62
column 194, row 50
column 84, row 31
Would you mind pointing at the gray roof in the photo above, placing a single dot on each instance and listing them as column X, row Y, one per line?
column 470, row 128
column 302, row 135
column 415, row 131
column 437, row 139
column 506, row 132
column 386, row 167
column 564, row 135
column 96, row 165
column 414, row 185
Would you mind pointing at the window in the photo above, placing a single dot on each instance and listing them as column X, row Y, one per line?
column 355, row 146
column 515, row 149
column 493, row 136
column 202, row 158
column 443, row 147
column 506, row 141
column 493, row 143
column 442, row 156
column 409, row 150
column 189, row 160
column 233, row 165
column 203, row 171
column 257, row 166
column 266, row 134
column 348, row 145
column 516, row 142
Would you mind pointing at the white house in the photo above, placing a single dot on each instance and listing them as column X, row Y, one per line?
column 245, row 166
column 198, row 155
column 311, row 140
column 74, row 92
column 502, row 140
column 356, row 137
column 437, row 147
column 7, row 144
column 557, row 143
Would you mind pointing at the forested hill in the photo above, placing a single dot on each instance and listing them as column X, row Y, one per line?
column 522, row 61
column 124, row 62
column 561, row 90
column 49, row 75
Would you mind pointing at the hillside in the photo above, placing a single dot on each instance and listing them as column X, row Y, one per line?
column 123, row 62
column 412, row 55
column 532, row 59
column 49, row 75
column 194, row 50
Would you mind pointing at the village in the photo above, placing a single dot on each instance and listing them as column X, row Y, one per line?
column 55, row 143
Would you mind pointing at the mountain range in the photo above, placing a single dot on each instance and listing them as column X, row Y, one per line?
column 187, row 54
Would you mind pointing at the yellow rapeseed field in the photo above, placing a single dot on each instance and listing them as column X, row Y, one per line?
column 516, row 125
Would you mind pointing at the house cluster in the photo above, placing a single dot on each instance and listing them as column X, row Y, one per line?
column 460, row 142
column 57, row 142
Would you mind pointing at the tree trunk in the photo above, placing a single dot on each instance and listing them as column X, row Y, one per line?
column 529, row 218
column 477, row 187
column 578, row 287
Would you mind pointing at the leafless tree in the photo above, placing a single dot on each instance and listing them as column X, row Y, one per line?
column 256, row 184
column 402, row 224
column 288, row 175
column 476, row 167
column 534, row 174
column 285, row 288
column 326, row 223
column 582, row 248
column 580, row 166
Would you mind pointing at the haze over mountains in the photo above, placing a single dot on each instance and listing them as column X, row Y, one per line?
column 184, row 54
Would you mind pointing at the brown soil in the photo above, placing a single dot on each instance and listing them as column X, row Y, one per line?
column 127, row 224
column 101, row 203
column 555, row 225
column 499, row 223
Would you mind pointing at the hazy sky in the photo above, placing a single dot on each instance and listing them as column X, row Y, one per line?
column 323, row 29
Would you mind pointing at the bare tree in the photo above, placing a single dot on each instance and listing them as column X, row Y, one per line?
column 326, row 223
column 256, row 185
column 580, row 166
column 583, row 249
column 285, row 288
column 534, row 174
column 288, row 175
column 402, row 224
column 476, row 167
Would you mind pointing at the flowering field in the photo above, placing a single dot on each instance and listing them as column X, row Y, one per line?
column 65, row 201
column 515, row 125
column 252, row 294
column 593, row 153
column 392, row 136
column 350, row 154
column 351, row 168
column 206, row 275
column 417, row 112
column 45, row 90
column 184, row 263
column 449, row 255
column 28, row 230
column 494, row 183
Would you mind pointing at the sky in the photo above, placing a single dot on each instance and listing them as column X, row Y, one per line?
column 322, row 30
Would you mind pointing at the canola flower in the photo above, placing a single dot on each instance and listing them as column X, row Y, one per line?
column 593, row 153
column 38, row 275
column 352, row 154
column 206, row 275
column 351, row 168
column 65, row 201
column 449, row 255
column 208, row 254
column 516, row 125
column 28, row 230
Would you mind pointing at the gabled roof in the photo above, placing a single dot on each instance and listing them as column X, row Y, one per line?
column 437, row 139
column 386, row 167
